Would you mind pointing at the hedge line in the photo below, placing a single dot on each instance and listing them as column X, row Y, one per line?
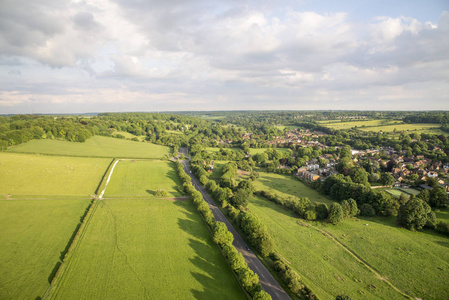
column 223, row 238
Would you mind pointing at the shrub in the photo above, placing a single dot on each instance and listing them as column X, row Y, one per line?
column 161, row 193
column 367, row 210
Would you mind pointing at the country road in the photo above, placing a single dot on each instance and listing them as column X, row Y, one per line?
column 269, row 284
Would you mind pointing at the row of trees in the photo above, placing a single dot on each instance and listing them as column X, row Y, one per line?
column 247, row 278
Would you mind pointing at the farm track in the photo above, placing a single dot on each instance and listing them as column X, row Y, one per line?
column 357, row 257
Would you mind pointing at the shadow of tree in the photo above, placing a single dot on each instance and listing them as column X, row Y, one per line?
column 212, row 275
column 151, row 192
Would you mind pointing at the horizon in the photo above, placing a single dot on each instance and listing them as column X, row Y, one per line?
column 75, row 57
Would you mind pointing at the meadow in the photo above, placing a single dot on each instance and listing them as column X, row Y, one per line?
column 147, row 249
column 427, row 128
column 97, row 146
column 286, row 185
column 324, row 266
column 143, row 178
column 23, row 174
column 415, row 263
column 337, row 124
column 33, row 233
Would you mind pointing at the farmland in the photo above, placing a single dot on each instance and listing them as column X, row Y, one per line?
column 33, row 233
column 418, row 267
column 97, row 146
column 143, row 178
column 24, row 174
column 285, row 186
column 147, row 248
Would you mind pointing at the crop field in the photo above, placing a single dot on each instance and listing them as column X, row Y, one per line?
column 33, row 233
column 97, row 146
column 143, row 178
column 24, row 174
column 147, row 249
column 322, row 264
column 416, row 263
column 285, row 185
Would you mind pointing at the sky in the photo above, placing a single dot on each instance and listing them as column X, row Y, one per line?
column 77, row 56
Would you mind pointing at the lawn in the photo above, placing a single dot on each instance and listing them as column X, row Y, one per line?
column 97, row 146
column 143, row 178
column 395, row 192
column 410, row 191
column 285, row 185
column 324, row 266
column 416, row 263
column 25, row 174
column 33, row 233
column 147, row 249
column 442, row 214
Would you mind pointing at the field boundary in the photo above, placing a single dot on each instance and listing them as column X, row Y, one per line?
column 59, row 270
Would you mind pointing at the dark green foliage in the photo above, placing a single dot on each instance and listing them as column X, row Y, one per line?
column 367, row 210
column 221, row 234
column 322, row 211
column 414, row 214
column 335, row 213
column 256, row 233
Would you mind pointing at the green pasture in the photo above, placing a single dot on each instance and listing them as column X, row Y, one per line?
column 25, row 174
column 143, row 178
column 33, row 233
column 97, row 146
column 427, row 128
column 443, row 214
column 324, row 266
column 415, row 262
column 129, row 136
column 351, row 124
column 147, row 249
column 286, row 185
column 254, row 151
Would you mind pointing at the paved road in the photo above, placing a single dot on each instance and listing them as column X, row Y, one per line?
column 269, row 284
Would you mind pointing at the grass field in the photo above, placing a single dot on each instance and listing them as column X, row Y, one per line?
column 359, row 123
column 443, row 214
column 428, row 128
column 323, row 265
column 24, row 174
column 147, row 249
column 143, row 178
column 33, row 233
column 414, row 262
column 395, row 192
column 253, row 151
column 410, row 191
column 285, row 185
column 97, row 146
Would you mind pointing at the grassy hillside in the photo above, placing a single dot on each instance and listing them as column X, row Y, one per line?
column 33, row 233
column 285, row 185
column 147, row 249
column 143, row 178
column 97, row 146
column 24, row 174
column 415, row 263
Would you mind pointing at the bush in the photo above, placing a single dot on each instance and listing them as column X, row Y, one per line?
column 310, row 215
column 161, row 193
column 335, row 213
column 367, row 210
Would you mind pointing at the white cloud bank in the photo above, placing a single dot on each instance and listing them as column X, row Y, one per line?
column 79, row 56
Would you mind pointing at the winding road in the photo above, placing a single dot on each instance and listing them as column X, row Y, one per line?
column 269, row 284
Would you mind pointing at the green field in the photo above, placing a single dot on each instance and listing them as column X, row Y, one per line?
column 285, row 185
column 33, row 233
column 143, row 178
column 337, row 124
column 443, row 214
column 395, row 192
column 427, row 128
column 415, row 263
column 24, row 174
column 254, row 151
column 324, row 266
column 147, row 249
column 97, row 146
column 410, row 191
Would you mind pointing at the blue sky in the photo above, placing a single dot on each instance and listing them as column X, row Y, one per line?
column 127, row 55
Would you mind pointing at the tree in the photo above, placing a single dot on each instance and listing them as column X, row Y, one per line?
column 346, row 208
column 359, row 175
column 354, row 209
column 322, row 211
column 414, row 214
column 438, row 197
column 261, row 295
column 240, row 198
column 367, row 210
column 387, row 179
column 221, row 234
column 335, row 213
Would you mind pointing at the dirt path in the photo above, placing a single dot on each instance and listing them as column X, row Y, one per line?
column 357, row 257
